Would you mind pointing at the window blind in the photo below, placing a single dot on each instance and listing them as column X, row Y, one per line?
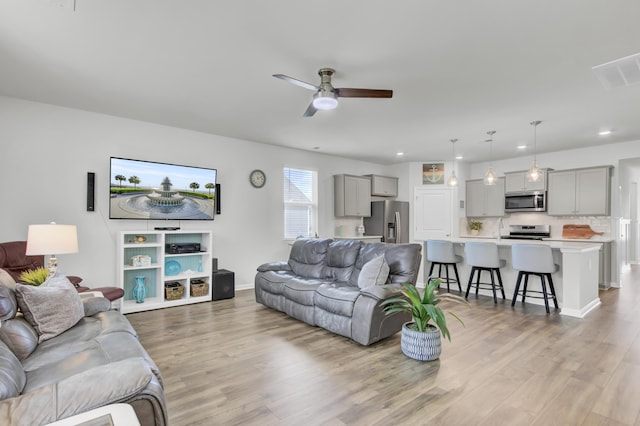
column 300, row 203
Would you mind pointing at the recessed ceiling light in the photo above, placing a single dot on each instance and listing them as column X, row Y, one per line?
column 521, row 147
column 399, row 154
column 459, row 157
column 604, row 132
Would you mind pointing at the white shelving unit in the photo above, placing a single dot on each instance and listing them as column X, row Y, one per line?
column 188, row 267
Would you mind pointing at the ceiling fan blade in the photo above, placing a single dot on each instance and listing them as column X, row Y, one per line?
column 310, row 111
column 363, row 93
column 297, row 82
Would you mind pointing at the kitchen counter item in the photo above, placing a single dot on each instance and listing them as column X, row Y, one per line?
column 579, row 232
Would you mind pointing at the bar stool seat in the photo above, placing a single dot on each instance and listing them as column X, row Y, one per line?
column 534, row 259
column 440, row 252
column 483, row 256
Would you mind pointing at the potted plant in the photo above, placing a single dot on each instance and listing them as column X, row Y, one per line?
column 475, row 227
column 34, row 276
column 420, row 339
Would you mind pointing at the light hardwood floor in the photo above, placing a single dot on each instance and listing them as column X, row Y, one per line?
column 236, row 362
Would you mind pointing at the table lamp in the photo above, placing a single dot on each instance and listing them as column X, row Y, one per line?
column 52, row 239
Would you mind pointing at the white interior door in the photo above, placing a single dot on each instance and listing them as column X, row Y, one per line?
column 433, row 213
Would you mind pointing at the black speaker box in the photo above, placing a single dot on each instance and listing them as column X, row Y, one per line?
column 214, row 264
column 218, row 209
column 224, row 286
column 91, row 191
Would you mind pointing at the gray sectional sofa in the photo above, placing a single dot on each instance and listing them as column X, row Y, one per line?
column 47, row 374
column 338, row 285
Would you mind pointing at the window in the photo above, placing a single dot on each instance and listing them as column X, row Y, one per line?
column 300, row 203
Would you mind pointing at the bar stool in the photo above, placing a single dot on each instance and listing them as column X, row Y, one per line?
column 483, row 256
column 440, row 252
column 534, row 259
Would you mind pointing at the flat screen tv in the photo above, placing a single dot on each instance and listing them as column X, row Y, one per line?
column 149, row 190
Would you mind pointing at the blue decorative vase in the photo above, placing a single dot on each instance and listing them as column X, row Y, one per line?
column 140, row 290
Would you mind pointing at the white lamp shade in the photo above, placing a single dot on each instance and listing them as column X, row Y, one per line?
column 52, row 239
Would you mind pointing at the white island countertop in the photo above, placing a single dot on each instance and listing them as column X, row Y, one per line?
column 595, row 239
column 570, row 244
column 576, row 281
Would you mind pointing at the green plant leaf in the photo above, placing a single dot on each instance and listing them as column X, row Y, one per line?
column 424, row 306
column 34, row 276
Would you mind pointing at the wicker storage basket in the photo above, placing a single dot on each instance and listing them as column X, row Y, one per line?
column 173, row 290
column 199, row 289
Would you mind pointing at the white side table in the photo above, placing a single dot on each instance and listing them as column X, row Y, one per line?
column 109, row 415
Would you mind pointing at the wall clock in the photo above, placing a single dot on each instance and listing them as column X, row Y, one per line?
column 257, row 178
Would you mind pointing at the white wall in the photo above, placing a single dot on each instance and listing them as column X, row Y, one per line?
column 48, row 150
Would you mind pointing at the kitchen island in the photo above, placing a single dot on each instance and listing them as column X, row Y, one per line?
column 576, row 282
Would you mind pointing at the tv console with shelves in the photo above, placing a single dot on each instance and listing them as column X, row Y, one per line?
column 144, row 253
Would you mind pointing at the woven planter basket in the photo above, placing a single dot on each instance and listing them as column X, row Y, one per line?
column 420, row 345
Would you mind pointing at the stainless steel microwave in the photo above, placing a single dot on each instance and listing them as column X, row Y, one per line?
column 533, row 201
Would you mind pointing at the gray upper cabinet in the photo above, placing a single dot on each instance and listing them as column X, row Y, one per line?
column 580, row 192
column 483, row 200
column 518, row 182
column 384, row 186
column 352, row 195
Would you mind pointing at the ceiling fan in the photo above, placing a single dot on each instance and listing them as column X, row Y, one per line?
column 326, row 96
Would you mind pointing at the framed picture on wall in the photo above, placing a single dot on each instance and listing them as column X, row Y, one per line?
column 432, row 173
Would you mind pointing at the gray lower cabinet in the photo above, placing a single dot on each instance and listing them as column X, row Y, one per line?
column 579, row 192
column 484, row 200
column 352, row 195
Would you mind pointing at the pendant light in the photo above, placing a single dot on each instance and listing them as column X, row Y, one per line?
column 453, row 179
column 533, row 175
column 490, row 176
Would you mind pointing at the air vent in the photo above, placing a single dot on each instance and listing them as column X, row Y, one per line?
column 619, row 73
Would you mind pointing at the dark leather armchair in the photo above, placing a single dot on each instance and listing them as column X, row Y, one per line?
column 14, row 260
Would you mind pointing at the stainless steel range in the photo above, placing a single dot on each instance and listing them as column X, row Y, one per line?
column 528, row 232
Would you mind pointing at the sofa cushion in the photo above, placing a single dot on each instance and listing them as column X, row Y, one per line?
column 337, row 298
column 403, row 261
column 51, row 308
column 307, row 257
column 8, row 303
column 301, row 290
column 341, row 259
column 7, row 279
column 374, row 272
column 12, row 376
column 19, row 336
column 80, row 338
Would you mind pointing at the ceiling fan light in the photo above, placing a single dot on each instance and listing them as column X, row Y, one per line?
column 533, row 175
column 490, row 177
column 325, row 100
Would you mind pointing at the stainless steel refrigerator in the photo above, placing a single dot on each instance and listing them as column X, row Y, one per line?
column 390, row 219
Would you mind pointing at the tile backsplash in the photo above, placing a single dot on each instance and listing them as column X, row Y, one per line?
column 490, row 225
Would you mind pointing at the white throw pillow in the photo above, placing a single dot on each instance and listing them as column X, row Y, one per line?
column 374, row 272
